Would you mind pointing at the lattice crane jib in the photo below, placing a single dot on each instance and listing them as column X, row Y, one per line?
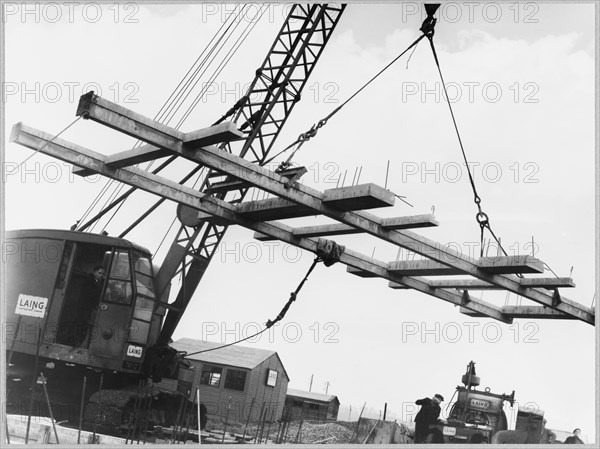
column 263, row 110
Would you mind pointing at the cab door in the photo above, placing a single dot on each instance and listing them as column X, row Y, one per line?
column 113, row 315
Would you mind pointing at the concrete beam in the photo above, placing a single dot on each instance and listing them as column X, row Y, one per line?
column 415, row 221
column 329, row 230
column 119, row 118
column 136, row 156
column 421, row 268
column 299, row 193
column 359, row 197
column 548, row 283
column 397, row 286
column 365, row 196
column 95, row 108
column 235, row 184
column 144, row 153
column 409, row 222
column 361, row 273
column 511, row 264
column 530, row 312
column 188, row 216
column 223, row 132
column 501, row 264
column 90, row 160
column 475, row 284
column 273, row 209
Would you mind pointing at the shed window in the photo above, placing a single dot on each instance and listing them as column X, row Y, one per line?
column 211, row 375
column 312, row 406
column 235, row 379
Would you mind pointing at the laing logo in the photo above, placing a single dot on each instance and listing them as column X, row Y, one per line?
column 476, row 403
column 134, row 351
column 31, row 305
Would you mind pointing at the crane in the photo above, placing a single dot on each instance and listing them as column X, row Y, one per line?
column 220, row 202
column 134, row 298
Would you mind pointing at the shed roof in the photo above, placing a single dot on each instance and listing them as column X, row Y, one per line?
column 234, row 355
column 312, row 396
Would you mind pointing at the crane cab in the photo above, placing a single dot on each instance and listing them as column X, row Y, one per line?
column 90, row 298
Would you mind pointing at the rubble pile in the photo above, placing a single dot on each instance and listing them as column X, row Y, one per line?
column 335, row 432
column 320, row 432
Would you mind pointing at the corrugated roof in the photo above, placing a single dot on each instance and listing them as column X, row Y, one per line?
column 234, row 355
column 311, row 396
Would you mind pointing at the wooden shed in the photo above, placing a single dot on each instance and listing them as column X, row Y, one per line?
column 240, row 378
column 313, row 406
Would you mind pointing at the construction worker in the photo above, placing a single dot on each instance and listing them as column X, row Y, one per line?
column 574, row 439
column 429, row 413
column 90, row 298
column 548, row 436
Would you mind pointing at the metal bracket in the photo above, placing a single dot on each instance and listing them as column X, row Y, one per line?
column 85, row 101
column 465, row 298
column 556, row 299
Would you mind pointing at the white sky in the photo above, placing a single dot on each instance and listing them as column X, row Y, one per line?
column 523, row 82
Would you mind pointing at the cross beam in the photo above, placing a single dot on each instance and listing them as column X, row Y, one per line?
column 140, row 127
column 500, row 264
column 414, row 221
column 363, row 196
column 476, row 284
column 530, row 312
column 223, row 132
column 91, row 160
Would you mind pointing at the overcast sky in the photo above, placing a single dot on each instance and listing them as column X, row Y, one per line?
column 521, row 78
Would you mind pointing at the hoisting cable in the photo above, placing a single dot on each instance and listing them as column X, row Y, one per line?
column 240, row 40
column 120, row 201
column 481, row 217
column 167, row 109
column 47, row 143
column 204, row 65
column 328, row 252
column 197, row 75
column 312, row 132
column 230, row 54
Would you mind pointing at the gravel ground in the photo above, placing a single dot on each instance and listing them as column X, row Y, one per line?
column 312, row 432
column 337, row 432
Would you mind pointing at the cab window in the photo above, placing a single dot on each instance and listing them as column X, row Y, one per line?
column 144, row 283
column 119, row 289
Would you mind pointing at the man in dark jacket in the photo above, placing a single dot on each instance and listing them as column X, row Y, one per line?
column 88, row 303
column 429, row 413
column 574, row 439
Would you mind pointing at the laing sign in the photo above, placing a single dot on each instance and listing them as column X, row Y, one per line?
column 29, row 305
column 482, row 405
column 134, row 351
